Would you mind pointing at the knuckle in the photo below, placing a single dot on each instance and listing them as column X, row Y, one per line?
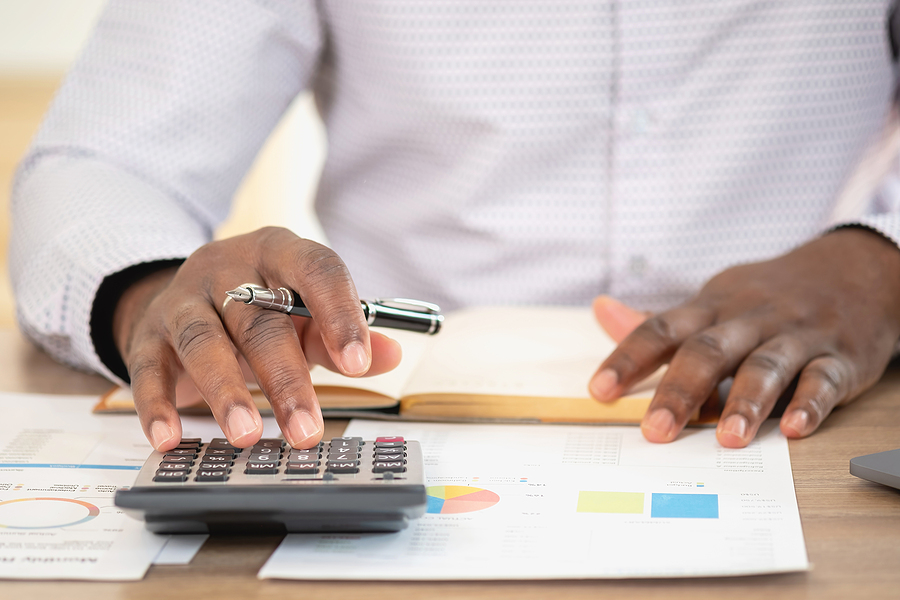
column 145, row 367
column 676, row 398
column 712, row 347
column 658, row 330
column 261, row 331
column 828, row 376
column 284, row 383
column 769, row 363
column 320, row 263
column 751, row 409
column 191, row 331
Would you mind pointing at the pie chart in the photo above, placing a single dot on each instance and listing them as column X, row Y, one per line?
column 45, row 513
column 453, row 499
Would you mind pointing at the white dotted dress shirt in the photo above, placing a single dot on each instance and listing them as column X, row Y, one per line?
column 480, row 151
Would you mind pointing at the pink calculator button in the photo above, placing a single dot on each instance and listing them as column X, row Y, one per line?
column 388, row 439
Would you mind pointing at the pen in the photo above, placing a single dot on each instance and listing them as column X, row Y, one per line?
column 397, row 313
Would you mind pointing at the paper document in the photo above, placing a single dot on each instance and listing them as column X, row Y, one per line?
column 60, row 466
column 570, row 502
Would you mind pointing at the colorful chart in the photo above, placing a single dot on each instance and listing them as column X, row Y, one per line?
column 452, row 499
column 45, row 513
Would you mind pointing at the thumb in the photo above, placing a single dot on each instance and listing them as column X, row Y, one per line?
column 617, row 319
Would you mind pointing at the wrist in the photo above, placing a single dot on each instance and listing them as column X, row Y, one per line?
column 116, row 307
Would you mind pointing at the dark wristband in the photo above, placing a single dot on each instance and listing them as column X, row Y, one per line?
column 105, row 301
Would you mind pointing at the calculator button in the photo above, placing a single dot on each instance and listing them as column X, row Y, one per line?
column 299, row 468
column 261, row 468
column 221, row 451
column 312, row 451
column 174, row 467
column 389, row 438
column 343, row 447
column 197, row 441
column 188, row 446
column 270, row 443
column 265, row 450
column 207, row 466
column 171, row 475
column 222, row 443
column 355, row 440
column 178, row 458
column 339, row 456
column 394, row 466
column 348, row 466
column 396, row 444
column 264, row 458
column 303, row 458
column 389, row 456
column 224, row 459
column 182, row 451
column 212, row 475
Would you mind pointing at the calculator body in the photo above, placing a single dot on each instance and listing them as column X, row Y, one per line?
column 335, row 488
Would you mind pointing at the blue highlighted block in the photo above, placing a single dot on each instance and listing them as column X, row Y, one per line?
column 434, row 505
column 684, row 506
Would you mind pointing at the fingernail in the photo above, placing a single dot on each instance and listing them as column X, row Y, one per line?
column 301, row 427
column 240, row 424
column 160, row 433
column 659, row 425
column 354, row 359
column 797, row 420
column 603, row 384
column 735, row 426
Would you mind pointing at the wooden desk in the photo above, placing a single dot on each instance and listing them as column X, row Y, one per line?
column 852, row 527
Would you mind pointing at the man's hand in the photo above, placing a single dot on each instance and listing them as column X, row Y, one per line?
column 828, row 311
column 174, row 329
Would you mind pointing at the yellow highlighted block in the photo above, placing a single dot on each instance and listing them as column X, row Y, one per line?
column 452, row 491
column 611, row 502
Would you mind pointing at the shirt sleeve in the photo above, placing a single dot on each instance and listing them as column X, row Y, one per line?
column 143, row 147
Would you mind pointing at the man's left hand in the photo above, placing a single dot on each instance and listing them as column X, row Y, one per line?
column 827, row 314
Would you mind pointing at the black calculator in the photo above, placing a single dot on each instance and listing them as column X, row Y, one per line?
column 346, row 484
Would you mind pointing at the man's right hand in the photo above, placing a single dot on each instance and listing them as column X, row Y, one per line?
column 174, row 330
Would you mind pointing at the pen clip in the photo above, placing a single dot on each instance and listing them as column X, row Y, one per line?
column 408, row 304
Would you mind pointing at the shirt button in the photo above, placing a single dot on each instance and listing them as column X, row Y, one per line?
column 640, row 121
column 638, row 265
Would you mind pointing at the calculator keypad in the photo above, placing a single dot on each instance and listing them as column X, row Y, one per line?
column 218, row 461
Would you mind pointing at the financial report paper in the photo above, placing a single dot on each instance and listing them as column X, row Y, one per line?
column 572, row 502
column 60, row 466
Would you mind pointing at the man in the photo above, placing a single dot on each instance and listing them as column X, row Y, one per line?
column 494, row 152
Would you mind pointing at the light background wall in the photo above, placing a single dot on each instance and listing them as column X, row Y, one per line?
column 39, row 39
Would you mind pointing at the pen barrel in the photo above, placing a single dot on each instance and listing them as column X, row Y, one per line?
column 280, row 299
column 386, row 316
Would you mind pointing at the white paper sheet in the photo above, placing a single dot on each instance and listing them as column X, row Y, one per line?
column 60, row 466
column 569, row 502
column 180, row 549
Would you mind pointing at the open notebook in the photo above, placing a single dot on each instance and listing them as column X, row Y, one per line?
column 489, row 363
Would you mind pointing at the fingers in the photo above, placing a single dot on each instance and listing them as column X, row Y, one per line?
column 616, row 318
column 206, row 354
column 178, row 329
column 703, row 360
column 824, row 383
column 386, row 352
column 646, row 348
column 269, row 343
column 761, row 379
column 324, row 283
column 153, row 385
